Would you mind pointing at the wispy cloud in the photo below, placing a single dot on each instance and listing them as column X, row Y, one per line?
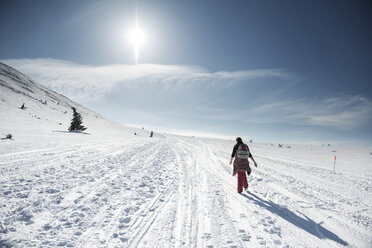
column 342, row 112
column 85, row 82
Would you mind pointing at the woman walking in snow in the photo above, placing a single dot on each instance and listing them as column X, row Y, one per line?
column 241, row 164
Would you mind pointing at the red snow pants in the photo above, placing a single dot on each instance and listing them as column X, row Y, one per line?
column 242, row 181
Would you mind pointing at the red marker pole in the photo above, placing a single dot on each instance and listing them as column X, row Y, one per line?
column 334, row 164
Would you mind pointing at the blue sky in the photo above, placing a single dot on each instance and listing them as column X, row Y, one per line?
column 276, row 71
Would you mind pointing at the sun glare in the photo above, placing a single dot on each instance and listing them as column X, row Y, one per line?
column 137, row 38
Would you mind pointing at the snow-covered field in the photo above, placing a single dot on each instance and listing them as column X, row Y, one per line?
column 110, row 188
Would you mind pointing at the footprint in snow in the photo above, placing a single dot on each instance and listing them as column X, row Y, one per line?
column 277, row 242
column 207, row 236
column 246, row 238
column 125, row 220
column 47, row 227
column 63, row 243
column 123, row 240
column 129, row 209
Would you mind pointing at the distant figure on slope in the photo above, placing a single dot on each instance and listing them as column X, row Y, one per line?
column 241, row 164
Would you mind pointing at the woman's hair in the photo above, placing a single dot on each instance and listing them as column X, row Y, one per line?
column 239, row 140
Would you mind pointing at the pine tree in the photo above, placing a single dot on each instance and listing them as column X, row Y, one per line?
column 76, row 122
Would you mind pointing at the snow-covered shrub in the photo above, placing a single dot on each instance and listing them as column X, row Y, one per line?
column 9, row 136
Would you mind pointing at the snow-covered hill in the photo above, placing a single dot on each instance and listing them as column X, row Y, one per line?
column 46, row 111
column 110, row 188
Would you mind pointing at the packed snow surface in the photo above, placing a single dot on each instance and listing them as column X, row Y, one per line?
column 106, row 187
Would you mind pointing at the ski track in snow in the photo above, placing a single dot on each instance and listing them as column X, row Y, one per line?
column 175, row 192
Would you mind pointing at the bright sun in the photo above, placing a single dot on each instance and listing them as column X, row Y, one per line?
column 137, row 39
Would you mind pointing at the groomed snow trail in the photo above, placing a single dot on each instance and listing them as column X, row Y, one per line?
column 174, row 192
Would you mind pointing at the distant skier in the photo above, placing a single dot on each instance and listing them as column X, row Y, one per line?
column 241, row 164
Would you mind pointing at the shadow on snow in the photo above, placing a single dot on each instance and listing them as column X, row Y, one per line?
column 79, row 132
column 302, row 222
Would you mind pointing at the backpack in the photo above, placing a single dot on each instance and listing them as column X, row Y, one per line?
column 243, row 152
